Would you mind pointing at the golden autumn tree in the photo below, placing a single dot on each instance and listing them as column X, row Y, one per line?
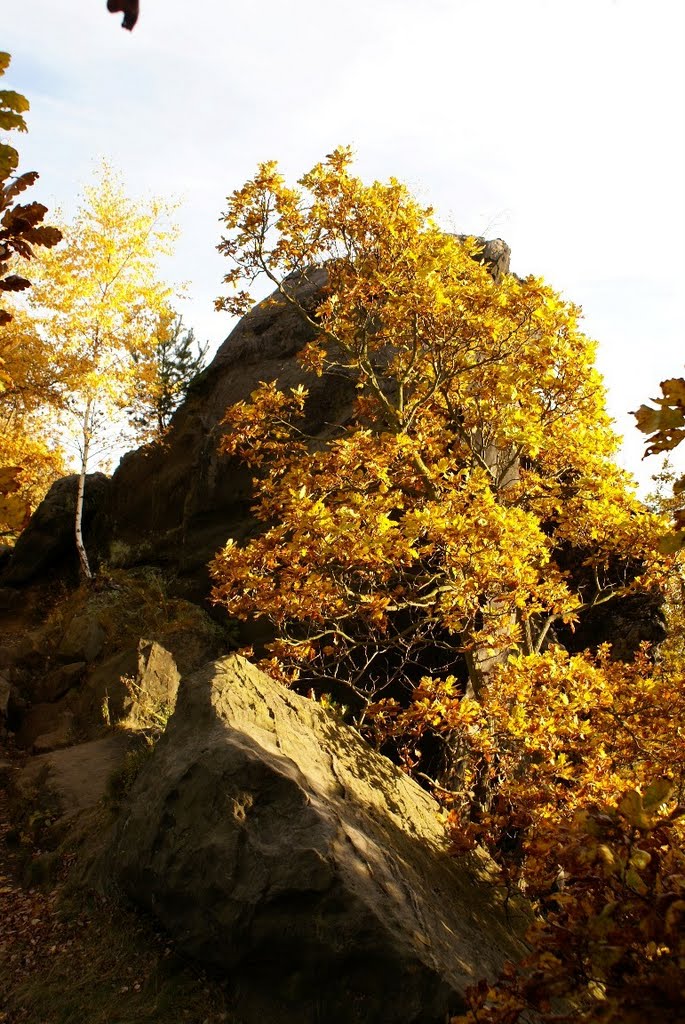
column 421, row 561
column 32, row 384
column 27, row 464
column 434, row 529
column 96, row 304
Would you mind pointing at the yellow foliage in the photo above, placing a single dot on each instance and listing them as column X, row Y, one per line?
column 417, row 563
column 97, row 298
column 95, row 305
column 478, row 451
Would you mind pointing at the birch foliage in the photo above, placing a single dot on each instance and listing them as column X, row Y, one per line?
column 96, row 303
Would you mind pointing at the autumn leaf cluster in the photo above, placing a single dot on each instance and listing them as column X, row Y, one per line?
column 21, row 224
column 26, row 464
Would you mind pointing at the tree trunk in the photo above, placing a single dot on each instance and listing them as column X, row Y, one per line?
column 84, row 564
column 504, row 467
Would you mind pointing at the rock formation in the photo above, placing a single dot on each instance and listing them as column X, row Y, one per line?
column 48, row 543
column 88, row 666
column 278, row 848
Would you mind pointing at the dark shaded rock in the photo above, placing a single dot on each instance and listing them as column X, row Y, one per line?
column 48, row 541
column 8, row 596
column 47, row 726
column 5, row 690
column 33, row 651
column 59, row 681
column 16, row 706
column 177, row 504
column 277, row 847
column 625, row 623
column 77, row 776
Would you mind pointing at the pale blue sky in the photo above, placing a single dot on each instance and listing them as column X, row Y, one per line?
column 558, row 125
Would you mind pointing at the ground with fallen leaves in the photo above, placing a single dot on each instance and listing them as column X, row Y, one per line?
column 71, row 957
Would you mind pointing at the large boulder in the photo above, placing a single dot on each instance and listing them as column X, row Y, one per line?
column 47, row 543
column 279, row 849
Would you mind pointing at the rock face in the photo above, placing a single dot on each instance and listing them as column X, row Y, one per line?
column 176, row 505
column 179, row 504
column 134, row 689
column 278, row 848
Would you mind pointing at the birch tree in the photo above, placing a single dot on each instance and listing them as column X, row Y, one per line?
column 97, row 301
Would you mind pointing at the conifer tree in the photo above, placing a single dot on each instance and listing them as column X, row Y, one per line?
column 164, row 372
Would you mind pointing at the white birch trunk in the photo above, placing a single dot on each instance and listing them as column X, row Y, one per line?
column 84, row 564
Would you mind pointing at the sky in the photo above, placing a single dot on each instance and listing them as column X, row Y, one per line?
column 557, row 125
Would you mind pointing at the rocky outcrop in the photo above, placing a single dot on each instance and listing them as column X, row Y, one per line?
column 279, row 849
column 111, row 653
column 494, row 253
column 133, row 689
column 176, row 505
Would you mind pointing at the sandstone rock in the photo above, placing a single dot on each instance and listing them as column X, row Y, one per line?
column 32, row 653
column 48, row 541
column 496, row 254
column 130, row 688
column 277, row 847
column 177, row 504
column 77, row 775
column 61, row 736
